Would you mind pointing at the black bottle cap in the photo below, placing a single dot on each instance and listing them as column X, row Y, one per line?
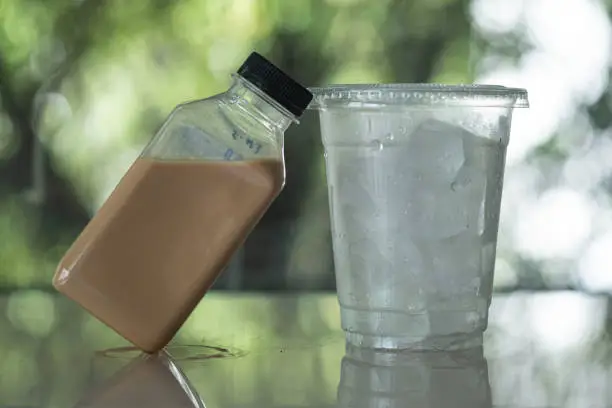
column 275, row 83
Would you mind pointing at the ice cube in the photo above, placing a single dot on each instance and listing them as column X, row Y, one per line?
column 490, row 124
column 453, row 264
column 448, row 180
column 435, row 152
column 365, row 274
column 471, row 181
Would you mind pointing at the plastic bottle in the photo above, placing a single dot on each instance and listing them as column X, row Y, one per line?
column 184, row 207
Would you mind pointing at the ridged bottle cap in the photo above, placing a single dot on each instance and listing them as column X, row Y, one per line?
column 275, row 83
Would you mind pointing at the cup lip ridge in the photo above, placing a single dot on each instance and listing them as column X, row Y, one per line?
column 364, row 96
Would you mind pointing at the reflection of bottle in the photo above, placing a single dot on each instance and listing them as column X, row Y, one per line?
column 380, row 378
column 152, row 381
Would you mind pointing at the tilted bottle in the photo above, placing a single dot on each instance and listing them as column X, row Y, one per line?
column 184, row 207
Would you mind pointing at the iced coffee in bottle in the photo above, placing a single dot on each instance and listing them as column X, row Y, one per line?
column 184, row 207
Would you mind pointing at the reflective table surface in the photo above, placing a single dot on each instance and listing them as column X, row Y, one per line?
column 271, row 350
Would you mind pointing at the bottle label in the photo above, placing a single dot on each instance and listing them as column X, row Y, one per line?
column 252, row 144
column 230, row 155
column 208, row 146
column 190, row 140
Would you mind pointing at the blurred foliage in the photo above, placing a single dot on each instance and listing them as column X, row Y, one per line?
column 83, row 85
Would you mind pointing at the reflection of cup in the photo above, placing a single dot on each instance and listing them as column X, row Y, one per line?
column 152, row 381
column 415, row 178
column 441, row 379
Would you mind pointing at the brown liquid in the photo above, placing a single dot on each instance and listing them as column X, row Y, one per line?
column 161, row 239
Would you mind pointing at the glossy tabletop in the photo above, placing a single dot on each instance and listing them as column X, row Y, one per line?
column 271, row 350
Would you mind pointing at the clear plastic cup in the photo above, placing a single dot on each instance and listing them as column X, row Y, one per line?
column 415, row 176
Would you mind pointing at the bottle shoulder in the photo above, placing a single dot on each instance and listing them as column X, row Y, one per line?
column 218, row 114
column 213, row 128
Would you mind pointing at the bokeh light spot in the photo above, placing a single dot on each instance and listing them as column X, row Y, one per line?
column 594, row 266
column 32, row 311
column 556, row 225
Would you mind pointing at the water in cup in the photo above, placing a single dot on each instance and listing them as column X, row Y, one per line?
column 414, row 187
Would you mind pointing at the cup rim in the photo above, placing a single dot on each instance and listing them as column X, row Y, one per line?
column 363, row 96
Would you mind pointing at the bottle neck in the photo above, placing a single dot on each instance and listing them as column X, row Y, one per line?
column 254, row 102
